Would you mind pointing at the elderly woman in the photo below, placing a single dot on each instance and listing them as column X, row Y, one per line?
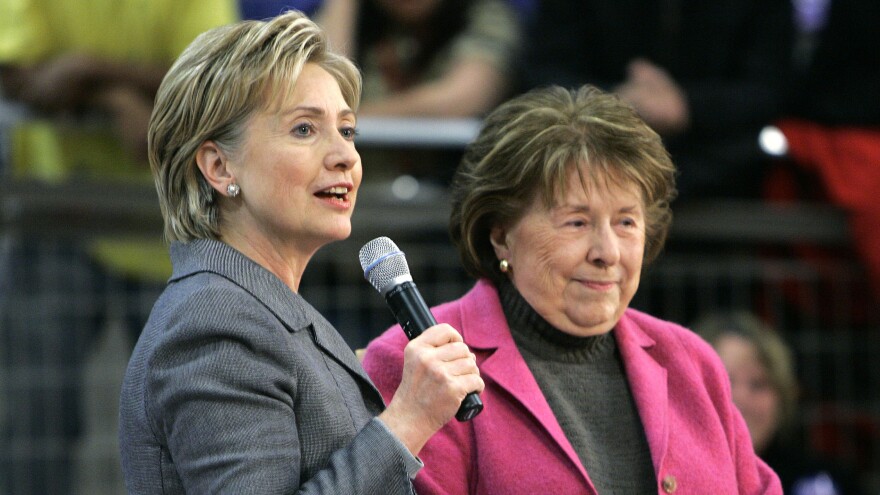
column 237, row 385
column 557, row 206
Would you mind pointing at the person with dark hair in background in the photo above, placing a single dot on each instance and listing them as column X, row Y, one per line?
column 237, row 384
column 557, row 207
column 429, row 59
column 707, row 76
column 764, row 388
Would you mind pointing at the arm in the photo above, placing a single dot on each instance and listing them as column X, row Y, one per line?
column 448, row 454
column 76, row 79
column 473, row 72
column 74, row 82
column 469, row 88
column 655, row 95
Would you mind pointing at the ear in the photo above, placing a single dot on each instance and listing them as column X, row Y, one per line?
column 498, row 238
column 212, row 162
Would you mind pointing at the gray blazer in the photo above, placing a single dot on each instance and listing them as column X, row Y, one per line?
column 237, row 385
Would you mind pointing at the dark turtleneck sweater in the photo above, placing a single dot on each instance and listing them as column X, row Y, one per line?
column 584, row 382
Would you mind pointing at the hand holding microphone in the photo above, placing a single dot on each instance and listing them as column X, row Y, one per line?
column 386, row 269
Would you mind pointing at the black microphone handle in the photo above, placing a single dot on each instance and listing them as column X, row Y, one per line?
column 414, row 317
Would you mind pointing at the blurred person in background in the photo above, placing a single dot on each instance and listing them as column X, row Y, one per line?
column 832, row 122
column 707, row 76
column 426, row 58
column 557, row 207
column 87, row 73
column 764, row 388
column 237, row 384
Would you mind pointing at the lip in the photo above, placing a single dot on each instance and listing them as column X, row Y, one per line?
column 599, row 285
column 344, row 202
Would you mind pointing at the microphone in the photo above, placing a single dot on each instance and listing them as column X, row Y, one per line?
column 386, row 269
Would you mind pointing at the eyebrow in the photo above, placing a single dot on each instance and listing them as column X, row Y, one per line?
column 585, row 208
column 314, row 111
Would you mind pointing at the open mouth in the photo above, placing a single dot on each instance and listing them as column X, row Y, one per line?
column 338, row 192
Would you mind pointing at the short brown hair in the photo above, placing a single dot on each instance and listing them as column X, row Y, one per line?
column 222, row 78
column 527, row 147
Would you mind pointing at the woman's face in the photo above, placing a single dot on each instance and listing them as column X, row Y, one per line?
column 298, row 168
column 579, row 263
column 753, row 391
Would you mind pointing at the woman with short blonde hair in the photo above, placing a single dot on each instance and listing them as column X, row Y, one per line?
column 237, row 384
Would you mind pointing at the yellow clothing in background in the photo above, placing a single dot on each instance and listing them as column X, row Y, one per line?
column 141, row 32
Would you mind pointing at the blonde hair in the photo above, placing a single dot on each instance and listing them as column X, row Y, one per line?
column 222, row 78
column 528, row 146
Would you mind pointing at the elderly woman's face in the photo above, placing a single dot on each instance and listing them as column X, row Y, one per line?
column 579, row 263
column 753, row 392
column 298, row 168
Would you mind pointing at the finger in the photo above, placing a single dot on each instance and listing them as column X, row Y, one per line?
column 440, row 334
column 463, row 366
column 452, row 351
column 472, row 383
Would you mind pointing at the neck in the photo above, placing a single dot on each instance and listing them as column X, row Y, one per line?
column 286, row 261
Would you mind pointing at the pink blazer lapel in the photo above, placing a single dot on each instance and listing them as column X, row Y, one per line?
column 648, row 382
column 504, row 365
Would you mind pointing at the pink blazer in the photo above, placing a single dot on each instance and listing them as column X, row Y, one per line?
column 698, row 440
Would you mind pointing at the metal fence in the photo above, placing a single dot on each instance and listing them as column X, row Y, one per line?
column 59, row 387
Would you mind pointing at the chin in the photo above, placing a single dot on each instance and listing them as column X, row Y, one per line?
column 592, row 325
column 599, row 317
column 340, row 235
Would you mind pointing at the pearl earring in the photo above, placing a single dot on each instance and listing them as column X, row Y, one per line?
column 232, row 189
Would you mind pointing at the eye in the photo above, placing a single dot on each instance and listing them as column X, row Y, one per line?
column 348, row 133
column 576, row 222
column 303, row 130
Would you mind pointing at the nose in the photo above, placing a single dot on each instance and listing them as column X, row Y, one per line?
column 604, row 246
column 341, row 153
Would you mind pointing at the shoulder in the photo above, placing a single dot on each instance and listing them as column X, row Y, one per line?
column 208, row 313
column 209, row 297
column 667, row 334
column 672, row 344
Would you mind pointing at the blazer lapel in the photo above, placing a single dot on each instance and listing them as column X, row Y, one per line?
column 648, row 382
column 505, row 365
column 289, row 307
column 331, row 343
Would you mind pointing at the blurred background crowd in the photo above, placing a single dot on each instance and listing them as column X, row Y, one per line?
column 769, row 109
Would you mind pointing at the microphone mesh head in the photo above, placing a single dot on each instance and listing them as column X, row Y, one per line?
column 383, row 263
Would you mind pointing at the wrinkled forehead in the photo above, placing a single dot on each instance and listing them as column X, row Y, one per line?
column 585, row 180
